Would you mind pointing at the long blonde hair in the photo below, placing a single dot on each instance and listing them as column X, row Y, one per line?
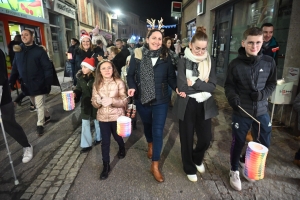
column 98, row 76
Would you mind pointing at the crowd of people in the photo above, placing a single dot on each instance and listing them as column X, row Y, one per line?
column 104, row 78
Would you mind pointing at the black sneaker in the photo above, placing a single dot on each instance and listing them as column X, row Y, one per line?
column 97, row 142
column 32, row 109
column 85, row 149
column 40, row 130
column 47, row 119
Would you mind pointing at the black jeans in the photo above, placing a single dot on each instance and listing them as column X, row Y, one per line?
column 194, row 121
column 11, row 126
column 106, row 129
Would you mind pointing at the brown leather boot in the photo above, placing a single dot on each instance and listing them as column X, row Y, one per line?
column 155, row 171
column 149, row 154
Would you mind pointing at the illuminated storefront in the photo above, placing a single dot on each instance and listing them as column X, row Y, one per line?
column 16, row 16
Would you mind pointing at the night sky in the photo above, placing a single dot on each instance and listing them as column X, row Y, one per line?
column 147, row 9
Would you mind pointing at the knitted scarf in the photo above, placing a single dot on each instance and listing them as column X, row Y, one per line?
column 202, row 71
column 147, row 75
column 204, row 64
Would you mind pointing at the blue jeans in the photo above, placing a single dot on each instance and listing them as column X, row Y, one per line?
column 153, row 118
column 240, row 127
column 86, row 134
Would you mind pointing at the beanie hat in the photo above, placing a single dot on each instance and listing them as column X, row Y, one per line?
column 131, row 41
column 84, row 35
column 89, row 63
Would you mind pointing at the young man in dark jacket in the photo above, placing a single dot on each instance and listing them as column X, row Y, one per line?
column 270, row 46
column 251, row 79
column 34, row 68
column 7, row 113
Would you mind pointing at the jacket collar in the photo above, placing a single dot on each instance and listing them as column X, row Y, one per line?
column 251, row 59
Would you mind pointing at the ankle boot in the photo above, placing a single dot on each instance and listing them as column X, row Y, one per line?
column 121, row 153
column 105, row 171
column 155, row 171
column 149, row 154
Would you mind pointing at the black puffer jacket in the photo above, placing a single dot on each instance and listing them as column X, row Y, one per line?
column 250, row 74
column 34, row 68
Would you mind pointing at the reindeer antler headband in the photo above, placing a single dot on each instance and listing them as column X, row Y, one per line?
column 152, row 24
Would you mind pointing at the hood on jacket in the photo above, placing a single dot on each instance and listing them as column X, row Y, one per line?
column 249, row 59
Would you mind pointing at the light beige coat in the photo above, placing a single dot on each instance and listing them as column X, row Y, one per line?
column 116, row 90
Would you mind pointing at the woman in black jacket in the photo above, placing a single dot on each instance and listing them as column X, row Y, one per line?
column 197, row 79
column 85, row 50
column 150, row 72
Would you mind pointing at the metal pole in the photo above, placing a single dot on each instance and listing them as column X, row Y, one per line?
column 6, row 144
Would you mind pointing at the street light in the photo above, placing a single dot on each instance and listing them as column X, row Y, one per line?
column 117, row 12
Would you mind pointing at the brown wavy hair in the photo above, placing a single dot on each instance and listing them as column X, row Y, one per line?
column 91, row 46
column 98, row 76
column 200, row 34
column 164, row 49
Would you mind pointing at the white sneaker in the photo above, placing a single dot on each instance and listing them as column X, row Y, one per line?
column 192, row 177
column 200, row 168
column 235, row 181
column 28, row 154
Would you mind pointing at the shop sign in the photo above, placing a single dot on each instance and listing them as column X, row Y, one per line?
column 176, row 8
column 28, row 9
column 64, row 9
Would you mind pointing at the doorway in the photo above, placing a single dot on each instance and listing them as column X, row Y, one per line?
column 223, row 31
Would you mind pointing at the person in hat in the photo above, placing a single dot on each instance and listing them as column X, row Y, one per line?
column 83, row 91
column 141, row 43
column 131, row 46
column 85, row 50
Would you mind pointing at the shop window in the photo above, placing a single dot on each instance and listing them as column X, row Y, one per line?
column 53, row 19
column 250, row 13
column 69, row 23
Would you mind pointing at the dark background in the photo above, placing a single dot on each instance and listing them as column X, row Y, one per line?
column 148, row 9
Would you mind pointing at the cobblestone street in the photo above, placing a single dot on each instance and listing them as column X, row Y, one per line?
column 66, row 174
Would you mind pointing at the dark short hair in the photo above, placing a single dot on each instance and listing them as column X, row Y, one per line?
column 253, row 31
column 119, row 40
column 141, row 40
column 30, row 32
column 99, row 42
column 267, row 24
column 125, row 40
column 75, row 40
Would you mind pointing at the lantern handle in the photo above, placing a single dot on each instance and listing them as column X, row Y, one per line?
column 258, row 134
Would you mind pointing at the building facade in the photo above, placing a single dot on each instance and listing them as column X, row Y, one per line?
column 128, row 25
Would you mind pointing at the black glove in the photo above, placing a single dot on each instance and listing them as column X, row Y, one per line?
column 234, row 103
column 256, row 96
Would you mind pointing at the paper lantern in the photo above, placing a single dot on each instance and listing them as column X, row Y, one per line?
column 255, row 160
column 124, row 126
column 68, row 100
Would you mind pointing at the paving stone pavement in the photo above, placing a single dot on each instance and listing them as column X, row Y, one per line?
column 57, row 177
column 70, row 175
